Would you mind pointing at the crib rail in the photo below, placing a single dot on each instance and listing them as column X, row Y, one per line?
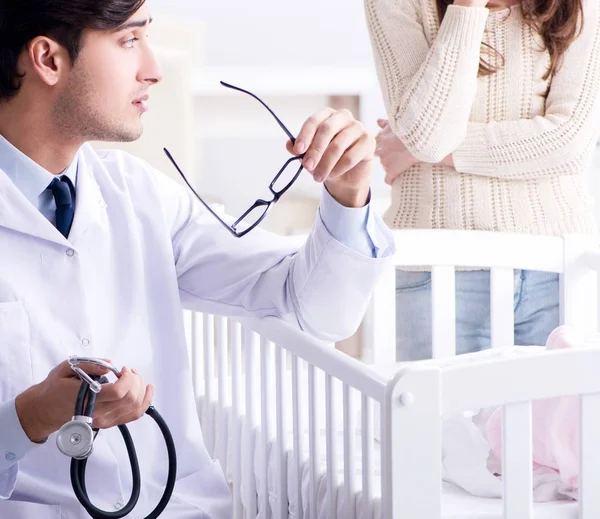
column 576, row 259
column 271, row 397
column 479, row 249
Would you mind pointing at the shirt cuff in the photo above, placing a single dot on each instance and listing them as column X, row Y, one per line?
column 14, row 443
column 353, row 227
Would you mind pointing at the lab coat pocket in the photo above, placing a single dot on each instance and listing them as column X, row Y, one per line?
column 26, row 510
column 15, row 350
column 205, row 491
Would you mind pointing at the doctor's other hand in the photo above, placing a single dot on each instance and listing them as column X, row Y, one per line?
column 392, row 153
column 338, row 151
column 124, row 401
column 45, row 407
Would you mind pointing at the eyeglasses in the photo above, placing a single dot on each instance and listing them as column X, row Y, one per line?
column 284, row 179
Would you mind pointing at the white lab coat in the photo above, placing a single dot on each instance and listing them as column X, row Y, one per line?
column 140, row 247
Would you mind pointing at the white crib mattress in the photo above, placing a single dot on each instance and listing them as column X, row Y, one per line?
column 459, row 504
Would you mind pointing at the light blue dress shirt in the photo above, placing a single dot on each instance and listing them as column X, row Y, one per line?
column 32, row 179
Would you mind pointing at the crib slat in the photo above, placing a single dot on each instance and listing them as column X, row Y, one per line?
column 197, row 357
column 331, row 451
column 502, row 313
column 443, row 311
column 222, row 403
column 297, row 392
column 209, row 376
column 266, row 365
column 589, row 455
column 517, row 465
column 188, row 319
column 367, row 452
column 252, row 396
column 313, row 439
column 349, row 451
column 235, row 340
column 282, row 444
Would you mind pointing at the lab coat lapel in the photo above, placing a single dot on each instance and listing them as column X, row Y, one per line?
column 20, row 215
column 90, row 207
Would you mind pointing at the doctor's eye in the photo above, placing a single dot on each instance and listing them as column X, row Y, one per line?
column 130, row 43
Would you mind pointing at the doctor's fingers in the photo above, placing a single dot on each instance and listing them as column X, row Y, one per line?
column 126, row 389
column 363, row 150
column 125, row 414
column 319, row 130
column 349, row 148
column 63, row 370
column 309, row 128
column 325, row 134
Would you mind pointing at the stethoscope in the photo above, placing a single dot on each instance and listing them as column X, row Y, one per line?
column 76, row 440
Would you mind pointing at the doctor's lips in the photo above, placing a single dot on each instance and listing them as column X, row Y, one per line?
column 142, row 103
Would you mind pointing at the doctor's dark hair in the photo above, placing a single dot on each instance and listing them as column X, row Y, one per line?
column 65, row 21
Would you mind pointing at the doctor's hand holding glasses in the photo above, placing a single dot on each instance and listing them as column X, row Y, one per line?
column 332, row 145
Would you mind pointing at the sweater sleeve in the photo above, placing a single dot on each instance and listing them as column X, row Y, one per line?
column 427, row 89
column 559, row 142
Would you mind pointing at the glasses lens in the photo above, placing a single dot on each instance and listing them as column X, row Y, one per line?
column 287, row 177
column 251, row 218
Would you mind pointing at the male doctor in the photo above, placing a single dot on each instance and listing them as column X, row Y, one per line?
column 99, row 252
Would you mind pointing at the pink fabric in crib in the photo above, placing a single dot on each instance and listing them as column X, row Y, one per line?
column 555, row 427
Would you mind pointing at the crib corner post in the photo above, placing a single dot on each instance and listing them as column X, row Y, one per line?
column 411, row 426
column 579, row 286
column 379, row 323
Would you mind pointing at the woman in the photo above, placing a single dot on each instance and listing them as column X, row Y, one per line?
column 493, row 114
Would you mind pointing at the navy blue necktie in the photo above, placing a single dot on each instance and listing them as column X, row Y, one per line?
column 62, row 189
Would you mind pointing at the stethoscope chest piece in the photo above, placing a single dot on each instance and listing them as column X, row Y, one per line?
column 76, row 438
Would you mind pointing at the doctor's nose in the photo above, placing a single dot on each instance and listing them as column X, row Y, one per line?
column 151, row 72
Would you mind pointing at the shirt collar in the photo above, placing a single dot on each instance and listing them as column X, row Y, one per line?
column 28, row 176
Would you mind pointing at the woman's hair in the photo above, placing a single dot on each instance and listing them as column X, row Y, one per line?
column 559, row 23
column 64, row 21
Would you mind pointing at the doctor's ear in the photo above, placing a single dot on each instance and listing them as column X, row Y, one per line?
column 47, row 60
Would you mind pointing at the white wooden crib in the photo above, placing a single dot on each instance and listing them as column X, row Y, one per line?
column 294, row 422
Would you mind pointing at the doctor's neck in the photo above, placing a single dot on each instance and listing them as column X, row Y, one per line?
column 25, row 124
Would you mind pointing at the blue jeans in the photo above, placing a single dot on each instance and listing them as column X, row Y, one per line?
column 536, row 305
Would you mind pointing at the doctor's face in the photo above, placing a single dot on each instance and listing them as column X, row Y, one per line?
column 106, row 92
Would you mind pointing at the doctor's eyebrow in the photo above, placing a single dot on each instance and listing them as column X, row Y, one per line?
column 133, row 25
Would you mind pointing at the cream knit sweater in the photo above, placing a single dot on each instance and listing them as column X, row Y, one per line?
column 520, row 143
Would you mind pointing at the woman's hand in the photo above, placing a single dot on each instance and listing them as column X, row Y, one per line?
column 392, row 153
column 471, row 3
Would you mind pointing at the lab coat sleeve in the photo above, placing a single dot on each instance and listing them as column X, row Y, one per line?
column 14, row 446
column 318, row 284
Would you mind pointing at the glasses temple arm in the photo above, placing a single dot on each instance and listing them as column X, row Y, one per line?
column 214, row 213
column 283, row 127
